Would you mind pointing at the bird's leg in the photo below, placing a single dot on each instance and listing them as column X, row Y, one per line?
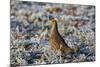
column 59, row 53
column 60, row 58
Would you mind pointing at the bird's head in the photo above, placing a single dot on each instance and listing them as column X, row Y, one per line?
column 53, row 22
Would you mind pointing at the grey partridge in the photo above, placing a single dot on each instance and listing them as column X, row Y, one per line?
column 56, row 40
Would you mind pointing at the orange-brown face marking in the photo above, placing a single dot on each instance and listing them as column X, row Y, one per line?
column 53, row 22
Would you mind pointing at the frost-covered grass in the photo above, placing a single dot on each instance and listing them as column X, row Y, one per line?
column 30, row 32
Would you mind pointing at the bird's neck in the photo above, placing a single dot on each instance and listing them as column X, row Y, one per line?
column 54, row 28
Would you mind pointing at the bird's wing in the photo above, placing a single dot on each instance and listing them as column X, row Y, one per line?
column 61, row 40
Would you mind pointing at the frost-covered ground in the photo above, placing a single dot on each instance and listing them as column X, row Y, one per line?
column 30, row 30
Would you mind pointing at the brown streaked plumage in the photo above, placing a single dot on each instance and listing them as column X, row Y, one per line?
column 57, row 42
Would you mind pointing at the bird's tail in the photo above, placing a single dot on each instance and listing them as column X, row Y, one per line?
column 68, row 49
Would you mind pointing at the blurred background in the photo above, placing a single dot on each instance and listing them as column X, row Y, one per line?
column 30, row 30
